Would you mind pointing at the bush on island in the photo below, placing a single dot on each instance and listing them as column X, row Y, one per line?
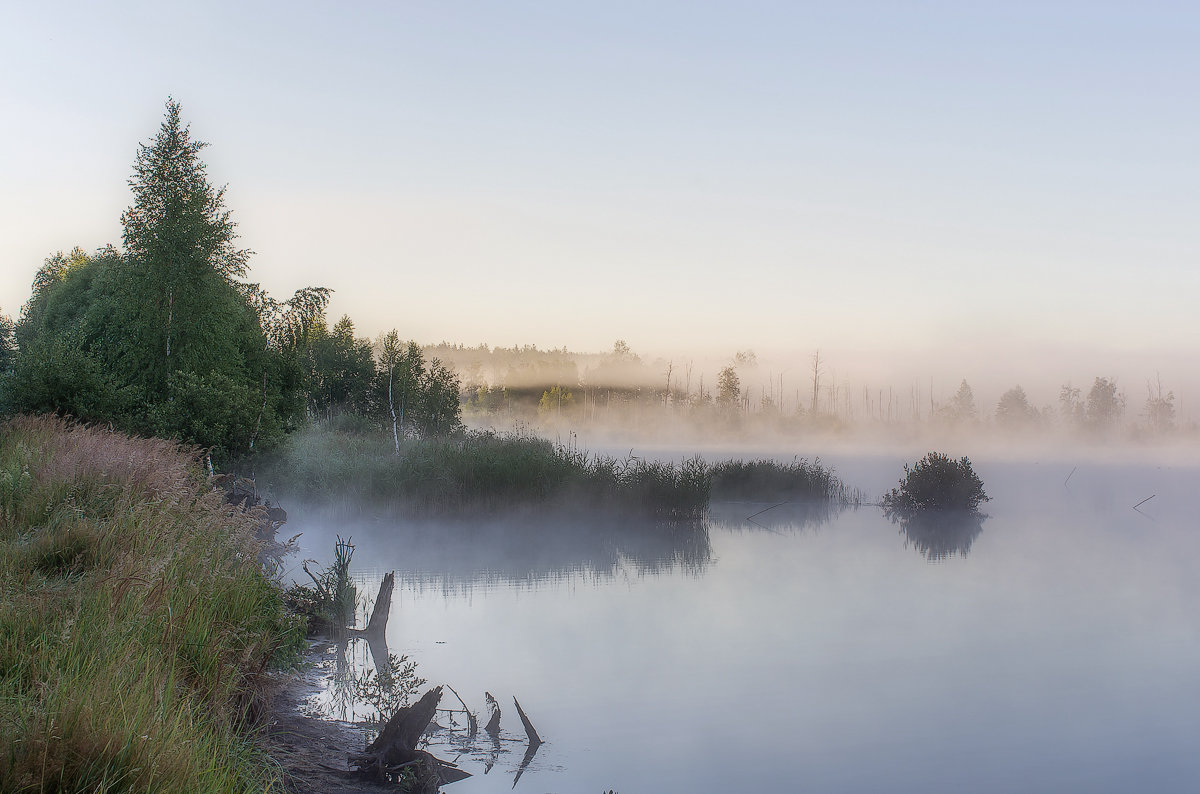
column 936, row 482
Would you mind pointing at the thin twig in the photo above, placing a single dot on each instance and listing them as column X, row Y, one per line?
column 1147, row 499
column 765, row 509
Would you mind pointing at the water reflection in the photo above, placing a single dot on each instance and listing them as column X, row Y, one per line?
column 778, row 517
column 453, row 734
column 533, row 550
column 939, row 535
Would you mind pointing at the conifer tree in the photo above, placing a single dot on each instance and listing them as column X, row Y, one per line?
column 183, row 261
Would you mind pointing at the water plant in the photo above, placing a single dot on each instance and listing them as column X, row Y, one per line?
column 765, row 479
column 330, row 605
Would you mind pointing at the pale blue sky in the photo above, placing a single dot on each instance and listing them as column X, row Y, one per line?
column 900, row 179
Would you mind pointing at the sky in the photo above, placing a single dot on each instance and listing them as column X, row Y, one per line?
column 949, row 188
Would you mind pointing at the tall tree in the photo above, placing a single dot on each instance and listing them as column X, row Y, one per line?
column 163, row 338
column 1013, row 410
column 729, row 388
column 180, row 247
column 1104, row 404
column 961, row 409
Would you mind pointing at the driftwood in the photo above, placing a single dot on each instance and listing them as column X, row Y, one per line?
column 395, row 749
column 472, row 723
column 534, row 739
column 493, row 723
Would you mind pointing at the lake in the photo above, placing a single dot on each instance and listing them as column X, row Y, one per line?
column 1052, row 647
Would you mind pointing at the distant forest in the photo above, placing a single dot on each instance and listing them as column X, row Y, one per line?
column 621, row 390
column 167, row 336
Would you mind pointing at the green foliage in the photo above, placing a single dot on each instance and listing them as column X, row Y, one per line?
column 162, row 338
column 769, row 480
column 8, row 343
column 58, row 375
column 330, row 605
column 555, row 400
column 423, row 394
column 341, row 370
column 391, row 688
column 936, row 482
column 135, row 624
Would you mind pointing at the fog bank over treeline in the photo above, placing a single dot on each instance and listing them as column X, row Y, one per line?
column 740, row 396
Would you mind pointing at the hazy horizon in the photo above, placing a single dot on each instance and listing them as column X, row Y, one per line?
column 932, row 193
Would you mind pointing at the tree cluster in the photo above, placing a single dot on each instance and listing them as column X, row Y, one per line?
column 166, row 337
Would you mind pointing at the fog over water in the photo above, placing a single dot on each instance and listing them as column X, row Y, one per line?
column 1050, row 648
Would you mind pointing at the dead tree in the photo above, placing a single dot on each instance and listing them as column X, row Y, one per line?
column 493, row 723
column 395, row 749
column 534, row 739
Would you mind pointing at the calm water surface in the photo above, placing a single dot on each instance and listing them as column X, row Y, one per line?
column 1053, row 647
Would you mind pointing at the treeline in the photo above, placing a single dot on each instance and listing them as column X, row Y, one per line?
column 620, row 390
column 166, row 336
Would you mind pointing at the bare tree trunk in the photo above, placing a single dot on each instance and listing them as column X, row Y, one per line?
column 392, row 406
column 816, row 380
column 170, row 316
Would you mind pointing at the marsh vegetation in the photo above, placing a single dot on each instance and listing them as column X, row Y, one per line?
column 473, row 472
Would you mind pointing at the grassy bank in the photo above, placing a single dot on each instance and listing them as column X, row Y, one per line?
column 135, row 624
column 487, row 471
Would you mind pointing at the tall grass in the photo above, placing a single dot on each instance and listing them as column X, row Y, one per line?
column 799, row 480
column 485, row 471
column 135, row 623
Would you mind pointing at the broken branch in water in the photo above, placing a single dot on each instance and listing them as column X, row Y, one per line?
column 493, row 724
column 529, row 731
column 472, row 724
column 321, row 589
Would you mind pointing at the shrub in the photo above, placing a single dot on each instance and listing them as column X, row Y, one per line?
column 936, row 482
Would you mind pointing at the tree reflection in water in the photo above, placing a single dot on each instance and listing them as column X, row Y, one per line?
column 940, row 534
column 539, row 550
column 778, row 517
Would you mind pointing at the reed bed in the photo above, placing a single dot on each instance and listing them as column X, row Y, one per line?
column 765, row 479
column 481, row 471
column 135, row 623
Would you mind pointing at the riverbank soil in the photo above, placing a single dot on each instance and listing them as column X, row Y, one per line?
column 312, row 751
